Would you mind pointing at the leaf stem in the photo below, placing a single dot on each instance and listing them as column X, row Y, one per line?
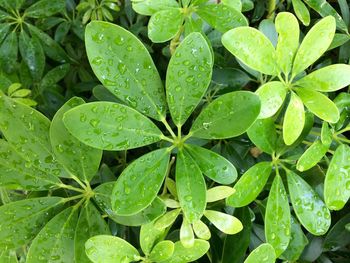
column 71, row 188
column 347, row 128
column 67, row 199
column 172, row 161
column 166, row 138
column 75, row 178
column 167, row 126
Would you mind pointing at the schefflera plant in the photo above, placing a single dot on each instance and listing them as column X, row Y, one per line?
column 124, row 66
column 286, row 64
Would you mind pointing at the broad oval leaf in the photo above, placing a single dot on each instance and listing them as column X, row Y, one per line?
column 315, row 43
column 149, row 7
column 308, row 206
column 319, row 104
column 277, row 217
column 250, row 184
column 287, row 27
column 263, row 134
column 213, row 165
column 124, row 66
column 81, row 160
column 301, row 12
column 263, row 253
column 312, row 156
column 188, row 76
column 272, row 95
column 337, row 181
column 190, row 186
column 110, row 249
column 253, row 48
column 162, row 251
column 149, row 236
column 186, row 234
column 182, row 254
column 140, row 182
column 330, row 78
column 294, row 120
column 110, row 126
column 228, row 116
column 201, row 230
column 56, row 240
column 219, row 192
column 21, row 221
column 225, row 223
column 167, row 219
column 165, row 24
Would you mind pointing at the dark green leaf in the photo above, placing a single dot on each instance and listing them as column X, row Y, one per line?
column 8, row 52
column 45, row 8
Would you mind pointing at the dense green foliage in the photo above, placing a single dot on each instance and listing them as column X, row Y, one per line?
column 174, row 131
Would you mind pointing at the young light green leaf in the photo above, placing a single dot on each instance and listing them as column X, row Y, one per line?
column 27, row 130
column 308, row 206
column 182, row 254
column 277, row 217
column 287, row 27
column 225, row 223
column 326, row 134
column 337, row 182
column 319, row 104
column 90, row 224
column 140, row 182
column 312, row 156
column 56, row 240
column 162, row 251
column 45, row 8
column 219, row 192
column 168, row 219
column 149, row 7
column 188, row 76
column 263, row 134
column 221, row 17
column 263, row 252
column 272, row 95
column 294, row 120
column 236, row 4
column 21, row 221
column 190, row 186
column 81, row 160
column 110, row 126
column 228, row 116
column 253, row 48
column 250, row 184
column 201, row 230
column 315, row 43
column 213, row 165
column 149, row 236
column 186, row 234
column 301, row 12
column 165, row 24
column 124, row 66
column 110, row 249
column 330, row 78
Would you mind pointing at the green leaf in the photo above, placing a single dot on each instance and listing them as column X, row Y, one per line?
column 27, row 130
column 56, row 240
column 312, row 156
column 339, row 40
column 225, row 223
column 287, row 27
column 168, row 219
column 162, row 251
column 314, row 44
column 186, row 234
column 90, row 224
column 326, row 134
column 45, row 8
column 330, row 78
column 81, row 160
column 235, row 4
column 294, row 119
column 319, row 104
column 8, row 52
column 201, row 230
column 124, row 66
column 308, row 206
column 110, row 249
column 263, row 134
column 150, row 235
column 54, row 75
column 277, row 217
column 263, row 252
column 188, row 76
column 140, row 182
column 301, row 12
column 13, row 87
column 182, row 254
column 250, row 184
column 21, row 221
column 253, row 48
column 149, row 7
column 219, row 192
column 21, row 93
column 221, row 17
column 110, row 126
column 165, row 24
column 8, row 256
column 190, row 186
column 213, row 165
column 337, row 181
column 227, row 116
column 272, row 95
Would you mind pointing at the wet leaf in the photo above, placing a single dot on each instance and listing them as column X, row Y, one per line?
column 149, row 7
column 182, row 254
column 8, row 52
column 301, row 12
column 150, row 235
column 45, row 8
column 201, row 230
column 225, row 223
column 186, row 234
column 263, row 134
column 312, row 156
column 162, row 251
column 264, row 253
column 168, row 219
column 219, row 192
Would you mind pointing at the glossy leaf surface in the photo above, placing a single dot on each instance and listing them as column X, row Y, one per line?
column 263, row 134
column 265, row 252
column 312, row 156
column 182, row 254
column 224, row 222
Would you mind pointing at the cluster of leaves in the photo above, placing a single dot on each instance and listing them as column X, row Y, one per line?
column 201, row 156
